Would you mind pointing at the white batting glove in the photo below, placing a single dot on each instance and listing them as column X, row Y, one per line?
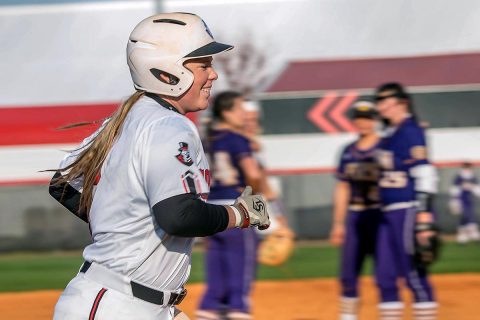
column 250, row 210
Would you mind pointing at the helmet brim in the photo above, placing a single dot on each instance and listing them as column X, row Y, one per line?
column 209, row 50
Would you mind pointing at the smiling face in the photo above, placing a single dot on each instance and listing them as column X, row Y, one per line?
column 196, row 98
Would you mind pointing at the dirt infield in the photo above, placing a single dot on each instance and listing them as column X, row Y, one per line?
column 458, row 294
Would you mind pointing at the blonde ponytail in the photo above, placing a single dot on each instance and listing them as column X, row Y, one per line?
column 90, row 160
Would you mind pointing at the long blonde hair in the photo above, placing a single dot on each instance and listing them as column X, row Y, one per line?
column 90, row 160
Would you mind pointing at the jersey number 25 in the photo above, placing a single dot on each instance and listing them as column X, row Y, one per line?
column 394, row 179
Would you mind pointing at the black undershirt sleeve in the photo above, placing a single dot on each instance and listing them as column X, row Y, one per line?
column 185, row 215
column 68, row 196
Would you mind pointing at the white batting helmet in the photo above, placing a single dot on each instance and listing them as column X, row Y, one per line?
column 162, row 43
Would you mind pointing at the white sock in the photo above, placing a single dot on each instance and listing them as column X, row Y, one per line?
column 462, row 235
column 206, row 315
column 425, row 311
column 473, row 233
column 235, row 315
column 391, row 310
column 348, row 308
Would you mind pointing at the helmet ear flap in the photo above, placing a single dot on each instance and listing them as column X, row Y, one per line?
column 155, row 73
column 165, row 77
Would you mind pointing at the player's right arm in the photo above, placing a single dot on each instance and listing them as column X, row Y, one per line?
column 341, row 198
column 174, row 185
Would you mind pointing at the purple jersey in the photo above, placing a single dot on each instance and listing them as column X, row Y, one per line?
column 360, row 169
column 226, row 149
column 401, row 149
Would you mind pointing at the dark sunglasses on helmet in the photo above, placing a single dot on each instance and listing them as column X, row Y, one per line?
column 393, row 95
column 382, row 95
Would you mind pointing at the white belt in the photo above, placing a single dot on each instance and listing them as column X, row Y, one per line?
column 363, row 207
column 399, row 205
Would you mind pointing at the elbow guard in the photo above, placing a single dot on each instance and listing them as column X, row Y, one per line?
column 426, row 178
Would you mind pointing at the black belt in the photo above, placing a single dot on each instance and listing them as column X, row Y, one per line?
column 145, row 293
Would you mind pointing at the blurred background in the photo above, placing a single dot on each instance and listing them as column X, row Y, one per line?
column 305, row 61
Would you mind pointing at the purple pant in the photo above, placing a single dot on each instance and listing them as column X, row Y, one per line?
column 468, row 212
column 360, row 239
column 231, row 262
column 394, row 258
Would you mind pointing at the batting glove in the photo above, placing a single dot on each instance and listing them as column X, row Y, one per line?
column 251, row 210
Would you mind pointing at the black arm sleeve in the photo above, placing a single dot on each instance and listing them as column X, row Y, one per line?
column 185, row 215
column 67, row 195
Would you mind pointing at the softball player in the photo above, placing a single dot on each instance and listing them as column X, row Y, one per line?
column 356, row 205
column 231, row 255
column 141, row 180
column 465, row 186
column 407, row 184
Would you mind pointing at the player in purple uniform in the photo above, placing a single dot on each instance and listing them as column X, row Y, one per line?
column 231, row 255
column 407, row 184
column 465, row 186
column 356, row 205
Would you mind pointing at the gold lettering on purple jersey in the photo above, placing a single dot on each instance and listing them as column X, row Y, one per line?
column 385, row 159
column 362, row 171
column 394, row 179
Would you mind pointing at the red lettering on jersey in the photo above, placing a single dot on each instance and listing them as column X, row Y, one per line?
column 97, row 179
column 206, row 175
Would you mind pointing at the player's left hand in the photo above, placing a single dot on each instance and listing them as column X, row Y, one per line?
column 337, row 235
column 427, row 241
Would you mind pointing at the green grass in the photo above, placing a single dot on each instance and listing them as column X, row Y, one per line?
column 456, row 258
column 35, row 271
column 22, row 272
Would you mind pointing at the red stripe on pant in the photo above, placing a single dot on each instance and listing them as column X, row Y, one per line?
column 96, row 303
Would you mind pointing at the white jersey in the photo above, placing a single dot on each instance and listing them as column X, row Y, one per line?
column 157, row 155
